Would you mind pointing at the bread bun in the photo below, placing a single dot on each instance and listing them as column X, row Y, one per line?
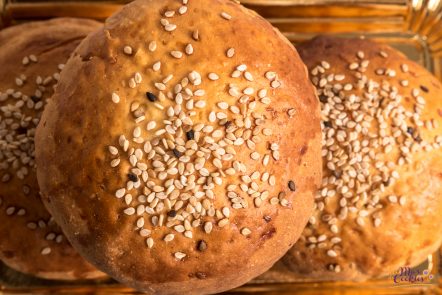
column 31, row 57
column 379, row 205
column 182, row 146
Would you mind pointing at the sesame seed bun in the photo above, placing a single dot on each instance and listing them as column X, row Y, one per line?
column 185, row 184
column 31, row 56
column 393, row 218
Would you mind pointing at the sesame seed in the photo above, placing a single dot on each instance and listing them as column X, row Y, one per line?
column 241, row 67
column 10, row 211
column 160, row 86
column 200, row 104
column 137, row 132
column 392, row 199
column 190, row 135
column 420, row 100
column 167, row 79
column 170, row 27
column 169, row 237
column 145, row 232
column 152, row 124
column 292, row 185
column 129, row 211
column 208, row 227
column 196, row 35
column 234, row 92
column 46, row 251
column 213, row 76
column 226, row 16
column 115, row 163
column 152, row 46
column 383, row 54
column 182, row 10
column 132, row 83
column 402, row 200
column 140, row 222
column 149, row 242
column 156, row 66
column 267, row 131
column 189, row 49
column 223, row 222
column 180, row 255
column 291, row 112
column 248, row 76
column 199, row 92
column 249, row 91
column 404, row 68
column 176, row 54
column 32, row 225
column 245, row 231
column 179, row 228
column 223, row 105
column 424, row 88
column 169, row 13
column 151, row 97
column 202, row 245
column 115, row 98
column 226, row 211
column 236, row 74
column 128, row 50
column 332, row 253
column 255, row 156
column 132, row 177
column 172, row 213
column 275, row 84
column 138, row 79
column 353, row 66
column 230, row 52
column 270, row 75
column 377, row 222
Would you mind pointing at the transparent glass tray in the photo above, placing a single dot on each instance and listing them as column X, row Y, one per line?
column 414, row 27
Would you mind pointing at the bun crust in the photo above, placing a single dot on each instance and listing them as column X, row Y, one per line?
column 178, row 176
column 30, row 240
column 393, row 218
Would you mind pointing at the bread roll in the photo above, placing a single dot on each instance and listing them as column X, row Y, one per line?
column 379, row 207
column 31, row 57
column 182, row 146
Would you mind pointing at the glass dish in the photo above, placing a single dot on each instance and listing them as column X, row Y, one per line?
column 414, row 27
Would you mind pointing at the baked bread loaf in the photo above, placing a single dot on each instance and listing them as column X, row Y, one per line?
column 31, row 56
column 181, row 157
column 379, row 207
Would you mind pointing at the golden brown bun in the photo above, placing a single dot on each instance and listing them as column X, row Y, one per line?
column 404, row 226
column 27, row 230
column 82, row 121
